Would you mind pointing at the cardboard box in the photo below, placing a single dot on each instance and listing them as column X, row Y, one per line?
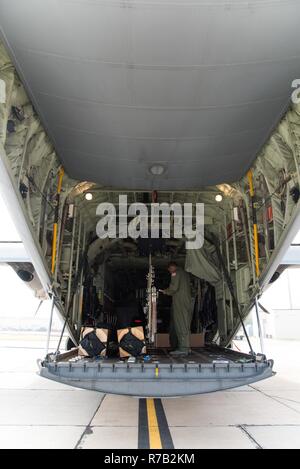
column 163, row 340
column 198, row 340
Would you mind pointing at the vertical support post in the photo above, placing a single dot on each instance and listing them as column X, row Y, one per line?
column 254, row 220
column 224, row 324
column 260, row 330
column 234, row 250
column 50, row 324
column 230, row 322
column 249, row 239
column 79, row 313
column 234, row 239
column 78, row 243
column 71, row 259
column 58, row 250
column 75, row 302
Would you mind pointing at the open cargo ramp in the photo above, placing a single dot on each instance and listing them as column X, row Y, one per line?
column 205, row 370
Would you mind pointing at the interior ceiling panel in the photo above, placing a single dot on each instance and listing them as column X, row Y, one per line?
column 195, row 85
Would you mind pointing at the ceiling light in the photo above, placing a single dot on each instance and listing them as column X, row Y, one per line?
column 157, row 169
column 219, row 198
column 89, row 196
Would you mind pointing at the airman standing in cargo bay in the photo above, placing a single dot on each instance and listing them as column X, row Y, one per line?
column 181, row 316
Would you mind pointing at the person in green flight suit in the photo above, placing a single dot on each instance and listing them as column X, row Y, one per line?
column 181, row 316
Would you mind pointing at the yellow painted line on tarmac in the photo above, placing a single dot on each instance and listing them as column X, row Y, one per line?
column 153, row 427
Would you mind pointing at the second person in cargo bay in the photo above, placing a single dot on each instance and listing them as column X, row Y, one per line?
column 181, row 316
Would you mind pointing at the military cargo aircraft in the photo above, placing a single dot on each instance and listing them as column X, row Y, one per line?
column 164, row 102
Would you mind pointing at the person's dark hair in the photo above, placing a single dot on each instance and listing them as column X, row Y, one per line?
column 172, row 264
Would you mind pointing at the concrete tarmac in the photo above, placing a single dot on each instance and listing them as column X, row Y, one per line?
column 37, row 413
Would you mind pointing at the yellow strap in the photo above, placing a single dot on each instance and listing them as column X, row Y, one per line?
column 55, row 226
column 250, row 179
column 153, row 428
column 60, row 179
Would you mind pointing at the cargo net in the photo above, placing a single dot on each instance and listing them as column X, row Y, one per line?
column 99, row 342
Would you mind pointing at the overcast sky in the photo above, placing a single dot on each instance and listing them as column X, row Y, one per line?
column 8, row 231
column 16, row 299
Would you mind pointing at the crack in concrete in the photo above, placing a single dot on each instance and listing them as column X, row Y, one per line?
column 89, row 429
column 244, row 430
column 276, row 399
